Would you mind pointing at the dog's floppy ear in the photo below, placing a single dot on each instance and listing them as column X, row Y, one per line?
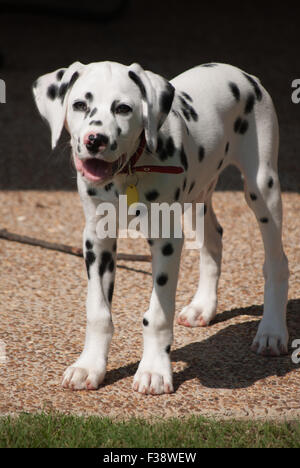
column 157, row 97
column 51, row 95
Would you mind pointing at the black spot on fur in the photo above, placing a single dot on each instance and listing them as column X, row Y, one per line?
column 106, row 258
column 74, row 77
column 93, row 112
column 194, row 114
column 89, row 260
column 166, row 99
column 151, row 195
column 235, row 91
column 162, row 279
column 227, row 148
column 52, row 92
column 201, row 153
column 167, row 249
column 145, row 322
column 110, row 291
column 184, row 103
column 113, row 107
column 168, row 349
column 237, row 125
column 88, row 245
column 184, row 185
column 89, row 96
column 60, row 74
column 62, row 91
column 255, row 86
column 253, row 196
column 187, row 96
column 170, row 147
column 78, row 149
column 188, row 111
column 271, row 182
column 186, row 114
column 96, row 122
column 119, row 131
column 250, row 104
column 91, row 192
column 111, row 266
column 244, row 127
column 65, row 86
column 177, row 194
column 183, row 159
column 108, row 187
column 162, row 152
column 191, row 187
column 136, row 79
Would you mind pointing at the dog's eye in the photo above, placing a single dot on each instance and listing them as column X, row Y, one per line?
column 80, row 106
column 123, row 109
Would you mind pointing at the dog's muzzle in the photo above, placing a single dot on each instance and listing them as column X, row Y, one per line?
column 97, row 170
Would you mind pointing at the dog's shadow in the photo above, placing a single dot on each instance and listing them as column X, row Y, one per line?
column 225, row 360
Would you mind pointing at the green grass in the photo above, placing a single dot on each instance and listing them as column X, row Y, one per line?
column 57, row 430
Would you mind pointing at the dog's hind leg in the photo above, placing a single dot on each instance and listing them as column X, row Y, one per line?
column 201, row 311
column 258, row 163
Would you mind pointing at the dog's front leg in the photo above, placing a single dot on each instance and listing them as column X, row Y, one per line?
column 89, row 370
column 154, row 374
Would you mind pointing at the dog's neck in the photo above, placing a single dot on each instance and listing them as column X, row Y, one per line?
column 129, row 167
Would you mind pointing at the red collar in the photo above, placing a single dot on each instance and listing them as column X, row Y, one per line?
column 130, row 167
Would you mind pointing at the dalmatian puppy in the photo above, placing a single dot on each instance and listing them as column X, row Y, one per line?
column 122, row 117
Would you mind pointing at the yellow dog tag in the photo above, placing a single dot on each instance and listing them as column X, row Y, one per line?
column 132, row 195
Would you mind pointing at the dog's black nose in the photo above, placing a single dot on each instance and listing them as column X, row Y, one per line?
column 96, row 142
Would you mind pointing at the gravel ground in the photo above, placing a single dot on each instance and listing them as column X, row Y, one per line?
column 43, row 320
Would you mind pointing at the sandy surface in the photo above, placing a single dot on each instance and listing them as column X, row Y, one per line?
column 43, row 320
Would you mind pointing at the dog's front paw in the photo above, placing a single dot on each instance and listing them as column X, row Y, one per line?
column 83, row 377
column 197, row 315
column 271, row 340
column 153, row 379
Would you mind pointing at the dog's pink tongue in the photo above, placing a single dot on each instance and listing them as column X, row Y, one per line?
column 93, row 169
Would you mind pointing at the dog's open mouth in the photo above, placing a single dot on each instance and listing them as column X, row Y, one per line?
column 98, row 170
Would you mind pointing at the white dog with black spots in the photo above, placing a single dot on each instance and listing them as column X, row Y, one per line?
column 202, row 121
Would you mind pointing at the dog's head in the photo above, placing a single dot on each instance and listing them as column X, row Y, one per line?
column 105, row 107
